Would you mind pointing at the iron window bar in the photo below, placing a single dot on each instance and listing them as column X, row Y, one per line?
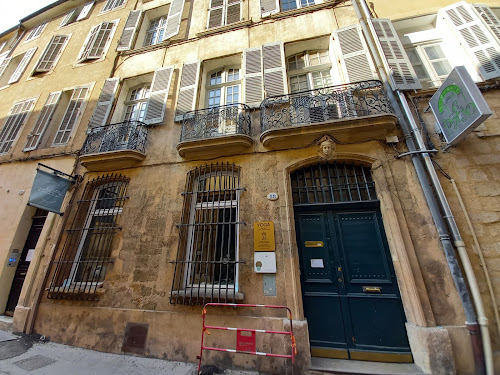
column 330, row 103
column 217, row 121
column 126, row 135
column 207, row 261
column 81, row 267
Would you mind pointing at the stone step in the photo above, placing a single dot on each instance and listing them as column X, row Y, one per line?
column 5, row 323
column 328, row 366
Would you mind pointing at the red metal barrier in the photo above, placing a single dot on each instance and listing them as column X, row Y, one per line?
column 246, row 338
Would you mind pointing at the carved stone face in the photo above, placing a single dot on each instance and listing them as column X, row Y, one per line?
column 326, row 149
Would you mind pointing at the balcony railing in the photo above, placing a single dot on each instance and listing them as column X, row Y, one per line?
column 128, row 135
column 215, row 122
column 327, row 104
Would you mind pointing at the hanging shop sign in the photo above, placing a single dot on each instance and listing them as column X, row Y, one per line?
column 263, row 236
column 49, row 189
column 459, row 106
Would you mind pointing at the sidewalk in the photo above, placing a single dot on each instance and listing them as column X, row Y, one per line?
column 30, row 354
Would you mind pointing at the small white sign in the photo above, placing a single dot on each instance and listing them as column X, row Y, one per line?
column 272, row 196
column 29, row 255
column 317, row 263
column 265, row 262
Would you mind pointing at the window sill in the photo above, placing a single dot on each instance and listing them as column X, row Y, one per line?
column 311, row 8
column 216, row 30
column 213, row 294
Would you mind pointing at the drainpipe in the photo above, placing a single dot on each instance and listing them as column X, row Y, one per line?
column 409, row 132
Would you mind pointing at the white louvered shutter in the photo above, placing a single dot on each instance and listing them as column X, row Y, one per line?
column 85, row 11
column 14, row 122
column 355, row 60
column 474, row 36
column 174, row 18
column 22, row 65
column 253, row 81
column 43, row 121
column 186, row 100
column 67, row 18
column 273, row 58
column 103, row 106
column 4, row 65
column 97, row 41
column 51, row 53
column 71, row 116
column 157, row 101
column 129, row 30
column 402, row 72
column 215, row 13
column 268, row 7
column 489, row 18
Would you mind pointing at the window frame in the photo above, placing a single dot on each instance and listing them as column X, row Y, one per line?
column 434, row 79
column 163, row 28
column 223, row 85
column 308, row 70
column 224, row 6
column 36, row 70
column 91, row 40
column 36, row 32
column 145, row 89
column 299, row 4
column 113, row 5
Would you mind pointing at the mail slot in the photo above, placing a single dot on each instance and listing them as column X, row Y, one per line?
column 314, row 244
column 372, row 289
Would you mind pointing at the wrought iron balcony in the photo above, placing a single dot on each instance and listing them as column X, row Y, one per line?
column 327, row 104
column 216, row 131
column 216, row 121
column 116, row 145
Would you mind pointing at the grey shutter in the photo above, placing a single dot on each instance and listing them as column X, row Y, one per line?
column 215, row 13
column 22, row 65
column 402, row 72
column 43, row 121
column 354, row 57
column 67, row 18
column 489, row 18
column 474, row 36
column 253, row 76
column 103, row 106
column 157, row 101
column 51, row 53
column 174, row 18
column 233, row 11
column 85, row 11
column 128, row 33
column 186, row 100
column 268, row 7
column 275, row 82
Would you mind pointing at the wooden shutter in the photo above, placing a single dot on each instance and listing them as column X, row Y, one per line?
column 4, row 65
column 233, row 11
column 89, row 42
column 253, row 82
column 16, row 119
column 85, row 11
column 489, row 18
column 51, row 53
column 67, row 18
column 174, row 18
column 186, row 100
column 268, row 7
column 402, row 72
column 354, row 58
column 129, row 30
column 22, row 65
column 43, row 121
column 275, row 82
column 474, row 36
column 215, row 13
column 71, row 116
column 157, row 101
column 104, row 103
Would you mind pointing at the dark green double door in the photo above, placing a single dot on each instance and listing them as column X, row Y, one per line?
column 350, row 293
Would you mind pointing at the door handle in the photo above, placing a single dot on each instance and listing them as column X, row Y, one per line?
column 372, row 289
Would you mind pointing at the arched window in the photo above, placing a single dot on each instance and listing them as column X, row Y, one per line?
column 309, row 70
column 156, row 31
column 137, row 100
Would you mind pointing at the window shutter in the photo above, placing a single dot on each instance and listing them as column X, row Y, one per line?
column 253, row 76
column 89, row 42
column 186, row 100
column 73, row 112
column 474, row 36
column 274, row 69
column 67, row 18
column 16, row 119
column 104, row 103
column 233, row 12
column 215, row 13
column 51, row 53
column 22, row 65
column 402, row 72
column 4, row 65
column 128, row 33
column 174, row 18
column 85, row 11
column 489, row 18
column 43, row 121
column 157, row 101
column 354, row 58
column 268, row 7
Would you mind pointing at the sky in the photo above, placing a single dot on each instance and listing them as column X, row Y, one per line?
column 14, row 10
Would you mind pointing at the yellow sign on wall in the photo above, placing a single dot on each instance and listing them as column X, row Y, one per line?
column 263, row 236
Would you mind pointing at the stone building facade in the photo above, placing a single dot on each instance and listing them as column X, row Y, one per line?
column 190, row 124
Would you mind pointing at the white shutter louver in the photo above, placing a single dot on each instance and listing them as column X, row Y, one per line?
column 104, row 103
column 489, row 18
column 129, row 30
column 188, row 88
column 22, row 65
column 16, row 119
column 274, row 69
column 402, row 72
column 4, row 64
column 354, row 57
column 174, row 18
column 474, row 36
column 43, row 121
column 51, row 53
column 215, row 13
column 253, row 76
column 268, row 7
column 67, row 18
column 97, row 41
column 85, row 11
column 71, row 116
column 157, row 101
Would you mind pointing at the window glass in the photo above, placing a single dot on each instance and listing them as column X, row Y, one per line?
column 135, row 107
column 315, row 66
column 156, row 31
